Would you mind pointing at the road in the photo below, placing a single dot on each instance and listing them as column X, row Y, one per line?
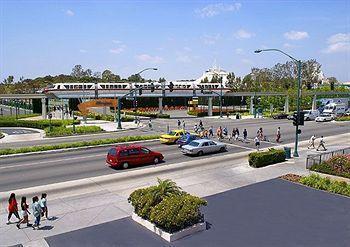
column 160, row 125
column 27, row 171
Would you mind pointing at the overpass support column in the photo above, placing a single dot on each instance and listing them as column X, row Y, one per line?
column 160, row 105
column 286, row 105
column 210, row 106
column 43, row 108
column 314, row 104
column 251, row 110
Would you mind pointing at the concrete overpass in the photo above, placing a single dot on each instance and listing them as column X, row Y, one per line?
column 176, row 93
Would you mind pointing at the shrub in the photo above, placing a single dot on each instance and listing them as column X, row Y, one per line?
column 343, row 118
column 177, row 212
column 79, row 130
column 143, row 200
column 37, row 124
column 167, row 206
column 261, row 159
column 318, row 182
column 338, row 165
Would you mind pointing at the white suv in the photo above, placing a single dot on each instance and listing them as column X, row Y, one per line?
column 310, row 115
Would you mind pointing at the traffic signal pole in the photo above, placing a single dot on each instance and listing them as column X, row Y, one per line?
column 296, row 154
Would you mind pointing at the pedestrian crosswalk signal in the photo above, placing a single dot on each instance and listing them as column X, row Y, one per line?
column 171, row 86
column 152, row 87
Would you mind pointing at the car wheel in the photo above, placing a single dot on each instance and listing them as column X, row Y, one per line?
column 156, row 160
column 200, row 153
column 125, row 165
column 222, row 149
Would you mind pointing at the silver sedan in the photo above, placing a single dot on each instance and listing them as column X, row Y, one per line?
column 203, row 146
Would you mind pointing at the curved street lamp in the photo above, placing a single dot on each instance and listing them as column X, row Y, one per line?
column 298, row 62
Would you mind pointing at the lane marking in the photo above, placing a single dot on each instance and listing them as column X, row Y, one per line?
column 234, row 145
column 52, row 161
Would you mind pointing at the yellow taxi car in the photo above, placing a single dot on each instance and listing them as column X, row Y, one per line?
column 172, row 136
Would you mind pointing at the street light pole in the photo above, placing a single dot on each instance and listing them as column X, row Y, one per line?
column 221, row 97
column 298, row 62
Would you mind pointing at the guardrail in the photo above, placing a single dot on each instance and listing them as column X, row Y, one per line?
column 316, row 159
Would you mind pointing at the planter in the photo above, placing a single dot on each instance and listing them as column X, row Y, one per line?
column 170, row 237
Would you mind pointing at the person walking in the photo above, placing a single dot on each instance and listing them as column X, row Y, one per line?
column 224, row 132
column 257, row 142
column 237, row 134
column 183, row 124
column 278, row 135
column 219, row 133
column 43, row 205
column 25, row 212
column 178, row 123
column 12, row 208
column 200, row 124
column 233, row 134
column 321, row 144
column 150, row 124
column 195, row 128
column 211, row 131
column 36, row 210
column 312, row 142
column 245, row 135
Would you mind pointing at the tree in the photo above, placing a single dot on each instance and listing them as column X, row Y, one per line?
column 205, row 80
column 88, row 73
column 233, row 83
column 332, row 82
column 77, row 71
column 97, row 75
column 136, row 78
column 161, row 80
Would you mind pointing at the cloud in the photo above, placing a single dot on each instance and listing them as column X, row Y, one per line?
column 186, row 48
column 339, row 42
column 287, row 45
column 69, row 12
column 239, row 51
column 216, row 9
column 210, row 39
column 117, row 41
column 149, row 58
column 296, row 35
column 118, row 50
column 183, row 58
column 83, row 51
column 243, row 34
column 246, row 61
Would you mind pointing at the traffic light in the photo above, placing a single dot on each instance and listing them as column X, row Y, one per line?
column 301, row 118
column 152, row 87
column 171, row 86
column 295, row 119
column 140, row 91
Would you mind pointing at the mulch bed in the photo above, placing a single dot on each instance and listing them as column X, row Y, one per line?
column 291, row 177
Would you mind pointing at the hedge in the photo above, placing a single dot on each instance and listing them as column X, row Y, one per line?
column 261, row 159
column 147, row 114
column 167, row 206
column 343, row 118
column 36, row 124
column 76, row 144
column 79, row 130
column 334, row 186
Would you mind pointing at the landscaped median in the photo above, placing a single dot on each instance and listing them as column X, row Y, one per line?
column 167, row 210
column 36, row 124
column 32, row 149
column 265, row 158
column 68, row 131
column 321, row 183
column 338, row 165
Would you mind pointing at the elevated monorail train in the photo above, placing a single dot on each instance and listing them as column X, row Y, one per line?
column 177, row 85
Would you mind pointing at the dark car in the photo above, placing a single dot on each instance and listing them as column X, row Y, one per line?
column 280, row 116
column 186, row 139
column 133, row 155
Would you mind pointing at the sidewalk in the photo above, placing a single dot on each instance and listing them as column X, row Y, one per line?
column 110, row 201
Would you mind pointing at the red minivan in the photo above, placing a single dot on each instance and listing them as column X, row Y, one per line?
column 133, row 155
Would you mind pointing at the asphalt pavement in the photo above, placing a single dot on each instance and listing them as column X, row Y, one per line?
column 160, row 126
column 27, row 171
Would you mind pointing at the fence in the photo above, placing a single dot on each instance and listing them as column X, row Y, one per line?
column 316, row 159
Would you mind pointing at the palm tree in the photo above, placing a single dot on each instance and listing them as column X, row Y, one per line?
column 163, row 189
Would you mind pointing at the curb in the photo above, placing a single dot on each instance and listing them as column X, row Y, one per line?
column 71, row 149
column 151, row 171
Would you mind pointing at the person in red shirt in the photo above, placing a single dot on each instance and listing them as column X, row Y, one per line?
column 12, row 208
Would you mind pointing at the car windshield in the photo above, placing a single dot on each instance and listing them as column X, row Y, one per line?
column 324, row 115
column 194, row 144
column 172, row 133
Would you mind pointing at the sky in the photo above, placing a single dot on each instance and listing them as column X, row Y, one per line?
column 181, row 38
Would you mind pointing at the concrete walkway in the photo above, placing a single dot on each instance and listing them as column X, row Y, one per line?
column 107, row 202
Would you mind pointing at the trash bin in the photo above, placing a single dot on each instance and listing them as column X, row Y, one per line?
column 288, row 152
